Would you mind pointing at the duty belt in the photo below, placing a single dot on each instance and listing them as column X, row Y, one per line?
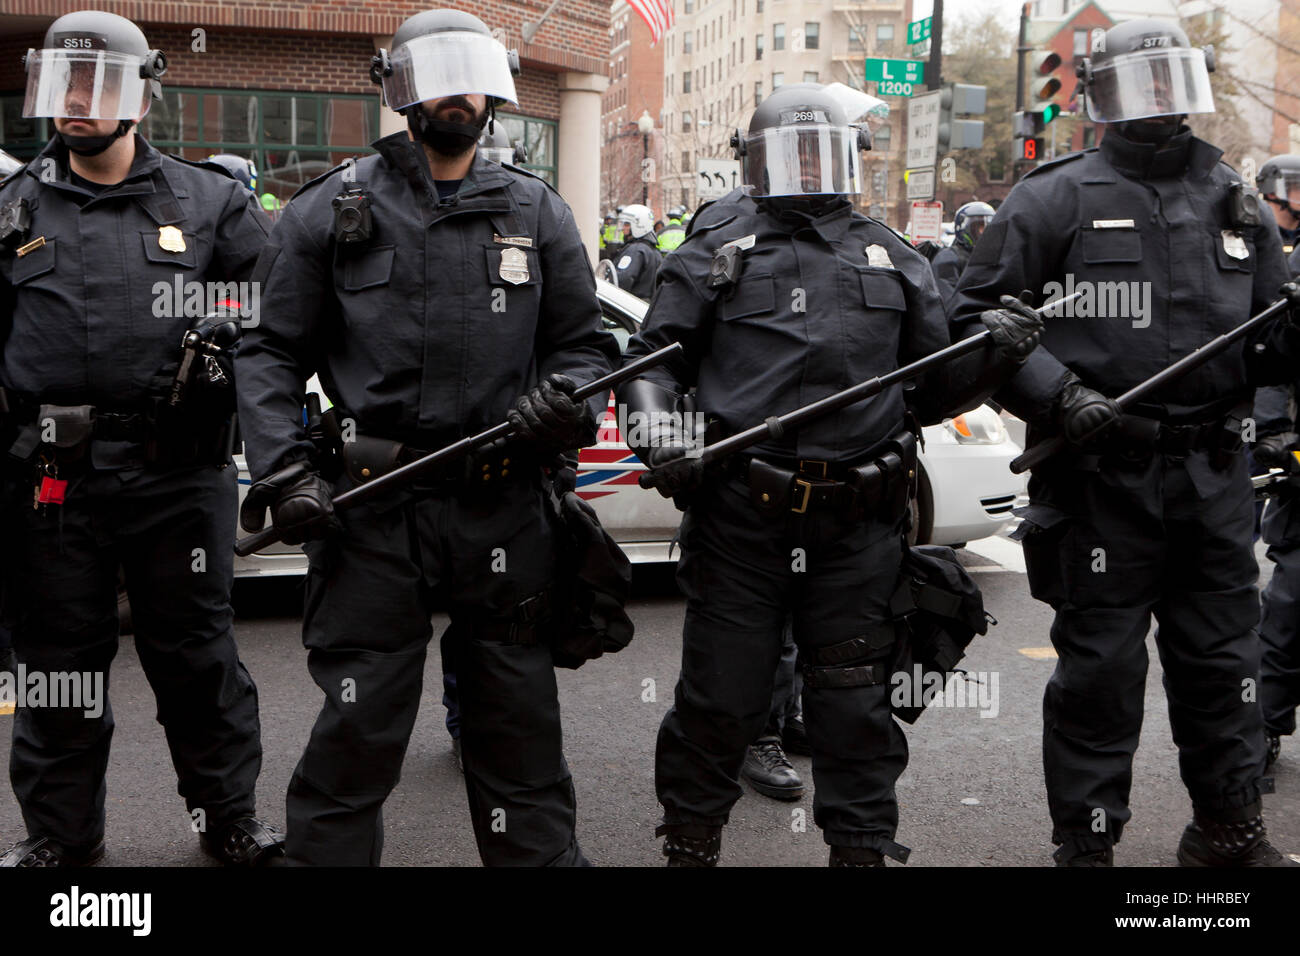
column 814, row 484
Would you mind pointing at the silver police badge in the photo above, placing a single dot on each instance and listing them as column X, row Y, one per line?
column 878, row 256
column 514, row 266
column 1234, row 245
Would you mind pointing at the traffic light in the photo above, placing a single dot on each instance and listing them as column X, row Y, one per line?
column 961, row 99
column 1043, row 87
column 1028, row 144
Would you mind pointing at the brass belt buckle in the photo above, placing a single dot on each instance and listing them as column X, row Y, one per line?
column 802, row 507
column 816, row 468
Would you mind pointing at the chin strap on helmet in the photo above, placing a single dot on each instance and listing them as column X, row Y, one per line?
column 94, row 145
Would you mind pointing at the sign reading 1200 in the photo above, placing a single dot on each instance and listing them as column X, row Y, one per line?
column 894, row 88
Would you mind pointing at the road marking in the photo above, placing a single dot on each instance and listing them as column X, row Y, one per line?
column 1039, row 653
column 998, row 549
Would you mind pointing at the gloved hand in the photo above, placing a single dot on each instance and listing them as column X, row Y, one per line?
column 1274, row 451
column 548, row 417
column 300, row 502
column 1291, row 292
column 1084, row 413
column 221, row 328
column 1016, row 328
column 672, row 472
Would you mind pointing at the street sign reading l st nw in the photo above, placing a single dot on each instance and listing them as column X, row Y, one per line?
column 896, row 71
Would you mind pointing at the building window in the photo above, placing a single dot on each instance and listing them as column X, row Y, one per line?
column 686, row 82
column 686, row 160
column 778, row 36
column 758, row 92
column 811, row 36
column 857, row 38
column 1081, row 42
column 690, row 6
column 290, row 137
column 742, row 49
column 810, row 76
column 687, row 45
column 758, row 46
column 884, row 36
column 1089, row 137
column 880, row 138
column 686, row 121
column 777, row 79
column 758, row 6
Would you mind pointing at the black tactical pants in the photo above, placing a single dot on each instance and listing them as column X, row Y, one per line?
column 173, row 535
column 1108, row 549
column 1279, row 627
column 743, row 574
column 370, row 595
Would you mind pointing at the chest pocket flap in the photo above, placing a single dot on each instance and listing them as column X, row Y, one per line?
column 366, row 268
column 753, row 295
column 156, row 253
column 36, row 263
column 1111, row 245
column 880, row 290
column 513, row 265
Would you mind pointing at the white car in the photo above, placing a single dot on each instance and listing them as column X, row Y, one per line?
column 966, row 488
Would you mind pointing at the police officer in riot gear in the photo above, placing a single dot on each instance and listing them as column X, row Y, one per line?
column 495, row 146
column 242, row 169
column 1150, row 511
column 419, row 344
column 639, row 262
column 1278, row 182
column 968, row 225
column 777, row 305
column 123, row 443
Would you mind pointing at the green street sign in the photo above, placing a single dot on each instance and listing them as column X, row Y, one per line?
column 893, row 71
column 919, row 30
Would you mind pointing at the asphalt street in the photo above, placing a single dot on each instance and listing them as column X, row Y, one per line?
column 972, row 795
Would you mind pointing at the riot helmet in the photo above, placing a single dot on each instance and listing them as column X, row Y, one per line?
column 970, row 221
column 495, row 146
column 1279, row 181
column 1146, row 68
column 639, row 218
column 239, row 167
column 93, row 66
column 441, row 54
column 800, row 143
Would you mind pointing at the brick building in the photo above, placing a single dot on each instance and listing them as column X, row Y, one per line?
column 631, row 160
column 284, row 82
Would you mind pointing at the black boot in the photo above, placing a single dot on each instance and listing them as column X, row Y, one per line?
column 1073, row 856
column 1218, row 843
column 245, row 842
column 691, row 844
column 855, row 856
column 769, row 771
column 44, row 852
column 1274, row 750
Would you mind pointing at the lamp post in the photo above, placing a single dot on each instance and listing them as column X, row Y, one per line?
column 646, row 124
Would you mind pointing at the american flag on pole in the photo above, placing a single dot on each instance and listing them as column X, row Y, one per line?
column 657, row 14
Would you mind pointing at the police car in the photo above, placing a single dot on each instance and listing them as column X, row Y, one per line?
column 966, row 488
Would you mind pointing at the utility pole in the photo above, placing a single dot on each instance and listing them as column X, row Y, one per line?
column 933, row 80
column 1021, row 49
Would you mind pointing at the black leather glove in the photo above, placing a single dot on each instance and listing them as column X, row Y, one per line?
column 548, row 417
column 1291, row 292
column 1016, row 328
column 1274, row 451
column 300, row 503
column 1084, row 413
column 672, row 472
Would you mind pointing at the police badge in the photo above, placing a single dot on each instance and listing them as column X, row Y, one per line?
column 170, row 239
column 514, row 266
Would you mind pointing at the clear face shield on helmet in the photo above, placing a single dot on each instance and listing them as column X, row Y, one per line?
column 976, row 224
column 1161, row 82
column 802, row 161
column 436, row 65
column 86, row 84
column 1284, row 185
column 497, row 154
